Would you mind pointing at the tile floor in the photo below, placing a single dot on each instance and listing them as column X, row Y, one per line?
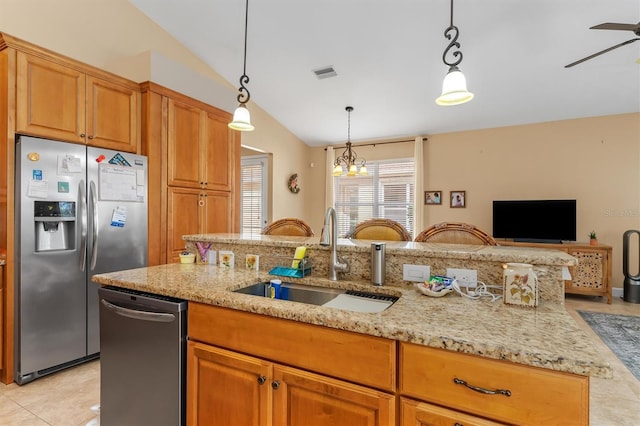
column 66, row 398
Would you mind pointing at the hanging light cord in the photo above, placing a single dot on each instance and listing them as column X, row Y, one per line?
column 454, row 43
column 244, row 95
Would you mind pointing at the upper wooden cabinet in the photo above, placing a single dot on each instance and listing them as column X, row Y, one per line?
column 201, row 153
column 64, row 103
column 194, row 170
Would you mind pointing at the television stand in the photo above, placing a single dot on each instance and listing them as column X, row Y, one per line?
column 592, row 275
column 536, row 240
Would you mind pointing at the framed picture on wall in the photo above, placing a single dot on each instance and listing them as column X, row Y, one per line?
column 433, row 197
column 458, row 199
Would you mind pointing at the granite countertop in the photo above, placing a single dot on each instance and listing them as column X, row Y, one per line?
column 539, row 256
column 544, row 337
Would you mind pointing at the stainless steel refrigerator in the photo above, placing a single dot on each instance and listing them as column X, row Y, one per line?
column 80, row 211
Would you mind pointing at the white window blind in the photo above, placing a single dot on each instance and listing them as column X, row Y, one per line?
column 386, row 192
column 253, row 195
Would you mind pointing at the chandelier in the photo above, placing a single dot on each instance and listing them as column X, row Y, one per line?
column 241, row 117
column 454, row 87
column 349, row 158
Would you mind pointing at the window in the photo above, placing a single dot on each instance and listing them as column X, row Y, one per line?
column 253, row 201
column 386, row 192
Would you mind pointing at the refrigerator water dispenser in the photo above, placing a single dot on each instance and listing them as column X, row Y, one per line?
column 55, row 223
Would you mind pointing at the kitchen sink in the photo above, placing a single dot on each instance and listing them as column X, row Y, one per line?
column 350, row 300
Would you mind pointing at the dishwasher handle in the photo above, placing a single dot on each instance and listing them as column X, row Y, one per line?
column 140, row 315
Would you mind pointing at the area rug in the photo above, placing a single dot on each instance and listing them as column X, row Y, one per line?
column 621, row 333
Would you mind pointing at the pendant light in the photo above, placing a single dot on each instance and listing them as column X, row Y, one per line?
column 349, row 157
column 454, row 87
column 241, row 116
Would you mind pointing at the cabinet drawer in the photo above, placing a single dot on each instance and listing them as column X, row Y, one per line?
column 536, row 396
column 355, row 357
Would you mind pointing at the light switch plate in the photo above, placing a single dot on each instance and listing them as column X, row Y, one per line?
column 416, row 273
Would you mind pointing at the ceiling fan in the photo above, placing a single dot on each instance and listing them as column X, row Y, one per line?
column 634, row 28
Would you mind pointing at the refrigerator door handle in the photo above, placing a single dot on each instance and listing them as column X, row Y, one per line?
column 83, row 224
column 140, row 315
column 94, row 210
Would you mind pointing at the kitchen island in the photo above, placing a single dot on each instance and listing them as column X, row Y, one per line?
column 540, row 355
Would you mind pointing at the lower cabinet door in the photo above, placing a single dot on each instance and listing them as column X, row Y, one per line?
column 415, row 413
column 301, row 398
column 226, row 388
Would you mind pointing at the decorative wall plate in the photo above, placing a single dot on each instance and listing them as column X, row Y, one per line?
column 293, row 183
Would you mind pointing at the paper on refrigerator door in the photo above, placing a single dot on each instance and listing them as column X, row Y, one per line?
column 119, row 217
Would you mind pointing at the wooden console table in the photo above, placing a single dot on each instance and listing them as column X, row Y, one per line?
column 592, row 276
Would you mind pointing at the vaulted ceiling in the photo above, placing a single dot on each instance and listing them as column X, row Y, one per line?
column 388, row 58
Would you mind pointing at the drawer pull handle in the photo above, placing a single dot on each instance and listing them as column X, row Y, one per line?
column 505, row 392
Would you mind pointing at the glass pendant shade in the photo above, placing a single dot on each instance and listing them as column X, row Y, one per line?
column 241, row 119
column 454, row 89
column 353, row 170
column 363, row 170
column 337, row 170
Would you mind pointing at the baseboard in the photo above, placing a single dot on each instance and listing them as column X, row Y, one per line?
column 617, row 292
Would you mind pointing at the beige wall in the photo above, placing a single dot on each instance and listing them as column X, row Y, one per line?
column 594, row 160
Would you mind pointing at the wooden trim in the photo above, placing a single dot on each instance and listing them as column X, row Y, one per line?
column 7, row 232
column 149, row 86
column 7, row 40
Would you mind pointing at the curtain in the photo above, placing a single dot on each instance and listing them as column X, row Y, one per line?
column 328, row 194
column 418, row 155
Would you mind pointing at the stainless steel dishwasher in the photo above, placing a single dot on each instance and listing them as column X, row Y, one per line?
column 142, row 358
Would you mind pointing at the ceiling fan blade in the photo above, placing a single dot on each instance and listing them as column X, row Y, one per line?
column 601, row 52
column 615, row 26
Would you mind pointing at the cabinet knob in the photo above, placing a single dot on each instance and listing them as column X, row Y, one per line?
column 82, row 135
column 261, row 380
column 275, row 384
column 90, row 137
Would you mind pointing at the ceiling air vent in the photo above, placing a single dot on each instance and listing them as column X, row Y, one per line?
column 325, row 72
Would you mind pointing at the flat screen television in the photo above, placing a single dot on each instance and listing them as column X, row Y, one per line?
column 548, row 221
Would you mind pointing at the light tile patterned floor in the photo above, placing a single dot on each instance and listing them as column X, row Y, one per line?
column 66, row 398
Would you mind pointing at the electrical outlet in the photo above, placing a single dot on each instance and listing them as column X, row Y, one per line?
column 416, row 273
column 464, row 277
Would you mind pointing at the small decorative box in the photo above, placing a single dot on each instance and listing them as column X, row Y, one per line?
column 226, row 259
column 520, row 285
column 252, row 261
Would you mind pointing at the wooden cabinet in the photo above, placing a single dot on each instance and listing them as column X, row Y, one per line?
column 65, row 103
column 312, row 374
column 2, row 348
column 200, row 148
column 193, row 211
column 304, row 398
column 226, row 387
column 492, row 389
column 593, row 274
column 416, row 413
column 193, row 180
column 322, row 376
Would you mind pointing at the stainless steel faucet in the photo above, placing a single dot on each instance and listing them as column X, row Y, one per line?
column 329, row 237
